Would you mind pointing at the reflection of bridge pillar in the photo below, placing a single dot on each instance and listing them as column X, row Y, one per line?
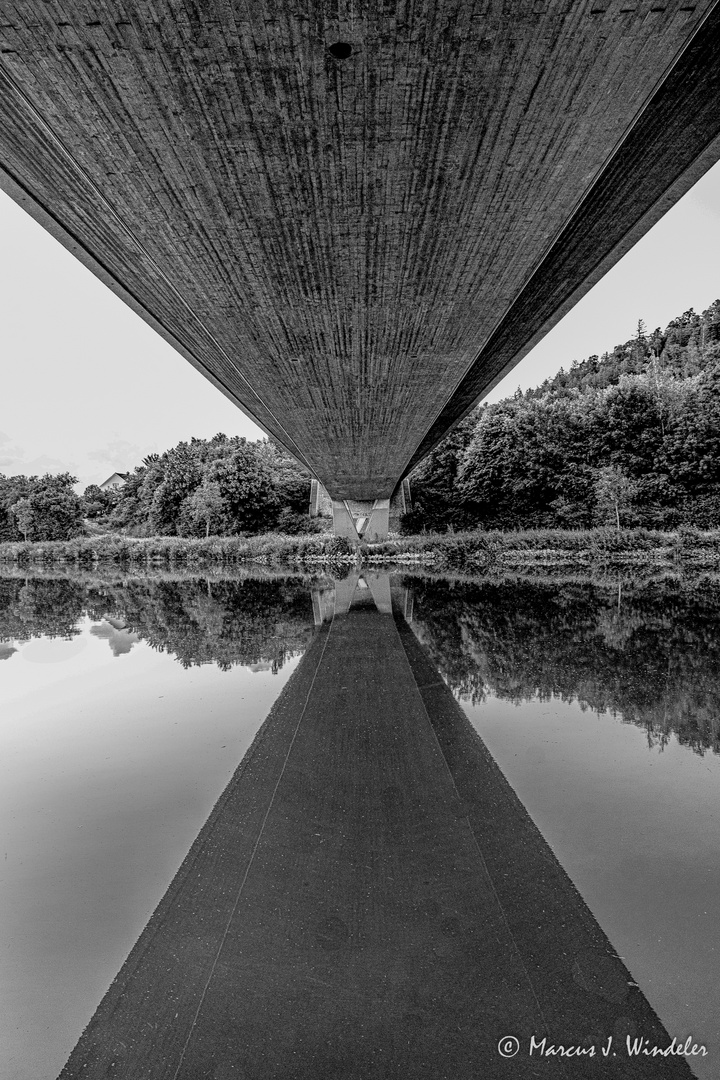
column 369, row 900
column 345, row 592
column 322, row 602
column 376, row 586
column 379, row 585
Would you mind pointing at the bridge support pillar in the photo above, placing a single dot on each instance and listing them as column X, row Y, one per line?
column 361, row 520
column 343, row 521
column 377, row 526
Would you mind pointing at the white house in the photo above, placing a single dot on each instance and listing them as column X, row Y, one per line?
column 117, row 480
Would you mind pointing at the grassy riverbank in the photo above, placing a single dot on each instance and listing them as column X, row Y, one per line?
column 476, row 550
column 463, row 550
column 179, row 551
column 552, row 547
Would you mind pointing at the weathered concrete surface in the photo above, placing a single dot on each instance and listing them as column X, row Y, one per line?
column 353, row 250
column 321, row 505
column 361, row 520
column 368, row 900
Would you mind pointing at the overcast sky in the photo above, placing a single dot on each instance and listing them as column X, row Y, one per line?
column 88, row 387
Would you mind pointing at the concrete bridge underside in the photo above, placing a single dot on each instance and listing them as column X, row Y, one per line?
column 354, row 219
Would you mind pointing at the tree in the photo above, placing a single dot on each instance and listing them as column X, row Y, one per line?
column 23, row 514
column 50, row 508
column 256, row 481
column 290, row 482
column 437, row 504
column 614, row 493
column 49, row 514
column 96, row 502
column 246, row 485
column 181, row 474
column 206, row 505
column 12, row 489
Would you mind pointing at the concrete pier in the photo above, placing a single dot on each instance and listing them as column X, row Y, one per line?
column 361, row 520
column 368, row 900
column 369, row 520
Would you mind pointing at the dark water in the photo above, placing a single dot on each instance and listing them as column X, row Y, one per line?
column 128, row 703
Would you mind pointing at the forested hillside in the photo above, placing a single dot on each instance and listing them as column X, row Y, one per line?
column 631, row 437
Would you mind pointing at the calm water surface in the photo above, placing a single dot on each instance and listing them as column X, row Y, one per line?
column 119, row 731
column 601, row 704
column 127, row 705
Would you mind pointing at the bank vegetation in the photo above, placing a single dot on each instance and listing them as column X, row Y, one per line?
column 473, row 550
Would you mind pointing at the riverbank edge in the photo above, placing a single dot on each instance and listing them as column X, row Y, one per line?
column 468, row 550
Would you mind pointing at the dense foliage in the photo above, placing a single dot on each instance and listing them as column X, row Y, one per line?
column 39, row 508
column 221, row 486
column 628, row 438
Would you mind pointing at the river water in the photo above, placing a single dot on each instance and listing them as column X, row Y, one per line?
column 126, row 704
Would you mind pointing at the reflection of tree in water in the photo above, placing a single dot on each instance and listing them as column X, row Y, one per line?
column 198, row 621
column 647, row 652
column 225, row 622
column 38, row 606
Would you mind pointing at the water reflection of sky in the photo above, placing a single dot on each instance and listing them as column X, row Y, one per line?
column 638, row 832
column 111, row 762
column 122, row 724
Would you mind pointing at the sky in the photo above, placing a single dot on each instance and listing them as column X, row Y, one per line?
column 88, row 387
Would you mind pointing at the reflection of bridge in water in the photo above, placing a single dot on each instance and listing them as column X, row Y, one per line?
column 368, row 899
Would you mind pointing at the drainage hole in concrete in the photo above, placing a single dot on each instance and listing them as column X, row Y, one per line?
column 340, row 50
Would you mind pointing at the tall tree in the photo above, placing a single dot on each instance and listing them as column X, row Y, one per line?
column 614, row 494
column 205, row 506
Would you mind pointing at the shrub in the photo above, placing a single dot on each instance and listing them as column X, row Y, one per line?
column 291, row 523
column 338, row 545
